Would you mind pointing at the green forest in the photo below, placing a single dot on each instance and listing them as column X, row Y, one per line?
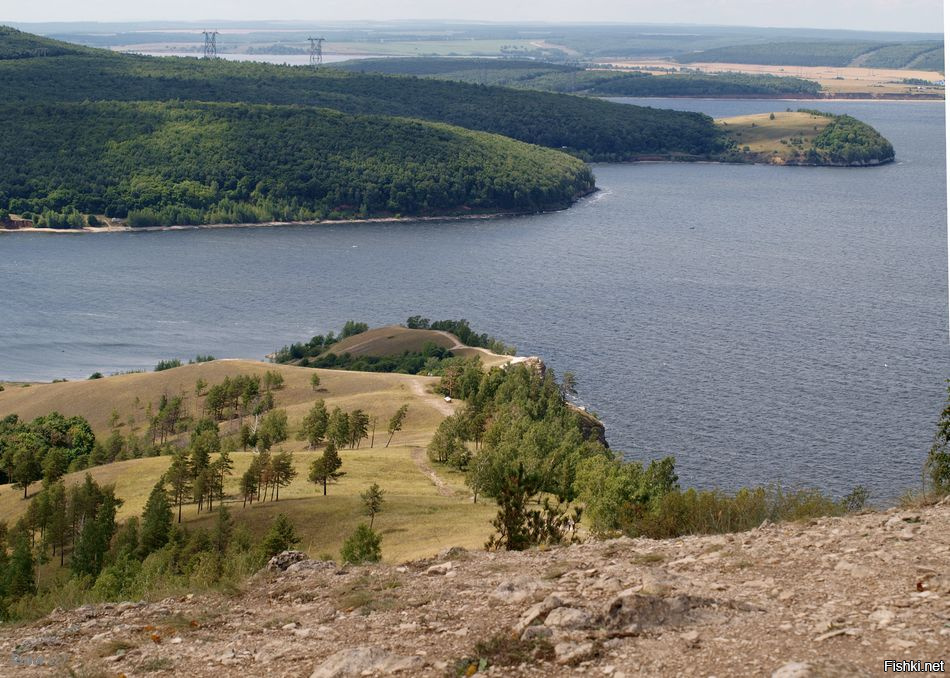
column 847, row 140
column 191, row 163
column 590, row 129
column 551, row 77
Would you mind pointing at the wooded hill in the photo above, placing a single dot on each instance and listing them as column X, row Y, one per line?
column 593, row 130
column 193, row 163
column 925, row 55
column 526, row 74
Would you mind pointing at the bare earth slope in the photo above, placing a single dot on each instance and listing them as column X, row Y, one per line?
column 837, row 597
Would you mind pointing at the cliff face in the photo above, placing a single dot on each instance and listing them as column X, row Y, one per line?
column 836, row 597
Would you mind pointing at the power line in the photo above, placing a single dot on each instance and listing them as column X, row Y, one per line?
column 211, row 46
column 316, row 51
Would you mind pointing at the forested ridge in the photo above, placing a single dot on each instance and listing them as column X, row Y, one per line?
column 590, row 129
column 193, row 163
column 561, row 78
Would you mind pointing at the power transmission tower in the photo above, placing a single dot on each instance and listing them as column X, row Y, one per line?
column 211, row 47
column 316, row 51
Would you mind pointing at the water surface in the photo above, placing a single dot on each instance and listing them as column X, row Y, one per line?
column 760, row 323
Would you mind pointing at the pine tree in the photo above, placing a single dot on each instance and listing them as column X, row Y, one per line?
column 282, row 471
column 180, row 478
column 396, row 422
column 324, row 469
column 359, row 426
column 363, row 546
column 156, row 521
column 314, row 425
column 338, row 428
column 280, row 537
column 21, row 569
column 372, row 502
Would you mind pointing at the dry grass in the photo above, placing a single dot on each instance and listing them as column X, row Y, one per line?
column 846, row 80
column 765, row 135
column 391, row 340
column 416, row 521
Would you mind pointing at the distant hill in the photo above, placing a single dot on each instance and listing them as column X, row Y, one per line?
column 827, row 53
column 549, row 77
column 592, row 130
column 161, row 164
column 16, row 44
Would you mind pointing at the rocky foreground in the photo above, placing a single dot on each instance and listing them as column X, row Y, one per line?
column 836, row 597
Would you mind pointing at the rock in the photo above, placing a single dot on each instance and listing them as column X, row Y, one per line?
column 515, row 591
column 567, row 618
column 634, row 609
column 310, row 565
column 572, row 653
column 285, row 559
column 453, row 553
column 654, row 585
column 538, row 611
column 882, row 617
column 441, row 569
column 537, row 633
column 794, row 670
column 366, row 660
column 289, row 627
column 823, row 668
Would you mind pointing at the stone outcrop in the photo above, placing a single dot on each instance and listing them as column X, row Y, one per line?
column 832, row 598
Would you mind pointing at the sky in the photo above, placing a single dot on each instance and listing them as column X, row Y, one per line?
column 885, row 15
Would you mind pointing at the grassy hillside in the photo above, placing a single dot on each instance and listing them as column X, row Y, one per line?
column 806, row 138
column 591, row 129
column 165, row 164
column 569, row 79
column 391, row 340
column 419, row 518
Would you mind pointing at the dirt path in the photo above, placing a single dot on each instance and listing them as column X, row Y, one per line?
column 419, row 456
column 432, row 399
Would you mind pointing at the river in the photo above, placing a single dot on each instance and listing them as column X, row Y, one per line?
column 762, row 324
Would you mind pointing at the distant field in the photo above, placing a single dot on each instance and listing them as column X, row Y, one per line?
column 418, row 520
column 833, row 80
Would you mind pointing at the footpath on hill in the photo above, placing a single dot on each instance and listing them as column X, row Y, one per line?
column 836, row 597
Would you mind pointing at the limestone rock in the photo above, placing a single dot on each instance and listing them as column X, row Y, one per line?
column 366, row 660
column 572, row 653
column 439, row 570
column 285, row 559
column 567, row 618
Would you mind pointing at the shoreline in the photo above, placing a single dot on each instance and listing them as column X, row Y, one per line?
column 268, row 224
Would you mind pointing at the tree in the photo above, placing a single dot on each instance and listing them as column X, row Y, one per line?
column 281, row 536
column 223, row 529
column 359, row 426
column 282, row 471
column 338, row 428
column 396, row 422
column 89, row 553
column 58, row 529
column 25, row 462
column 156, row 520
column 324, row 469
column 373, row 501
column 179, row 475
column 363, row 546
column 272, row 429
column 249, row 484
column 938, row 460
column 372, row 438
column 21, row 569
column 314, row 426
column 315, row 381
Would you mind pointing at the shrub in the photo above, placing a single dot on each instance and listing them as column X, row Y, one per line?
column 363, row 546
column 281, row 537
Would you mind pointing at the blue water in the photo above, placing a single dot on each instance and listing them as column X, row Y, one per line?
column 760, row 323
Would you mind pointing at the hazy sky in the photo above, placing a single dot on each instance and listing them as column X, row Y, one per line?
column 894, row 15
